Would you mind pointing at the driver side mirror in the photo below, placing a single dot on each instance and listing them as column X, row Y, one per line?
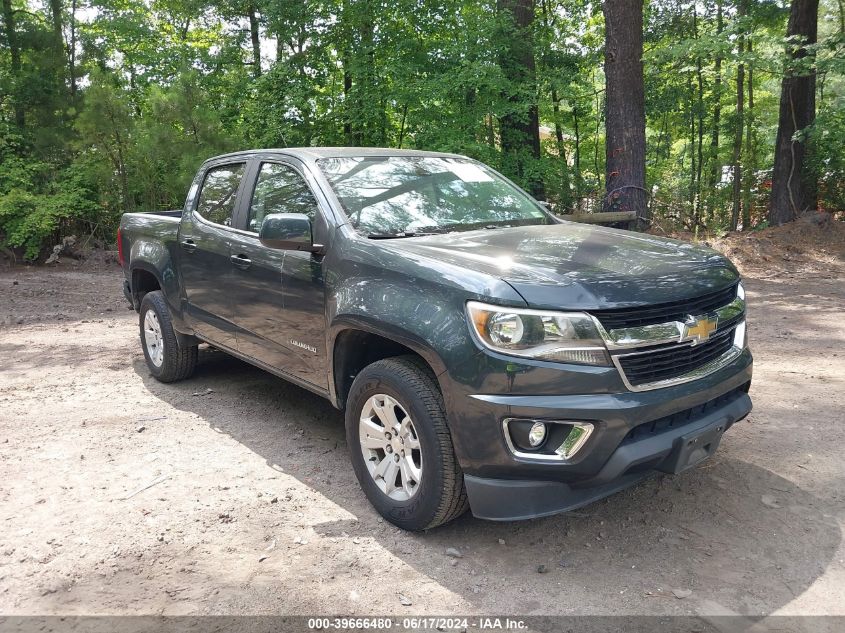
column 288, row 232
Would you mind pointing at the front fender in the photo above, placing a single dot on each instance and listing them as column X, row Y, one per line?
column 388, row 331
column 425, row 317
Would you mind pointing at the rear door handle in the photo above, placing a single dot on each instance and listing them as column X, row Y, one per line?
column 189, row 245
column 241, row 261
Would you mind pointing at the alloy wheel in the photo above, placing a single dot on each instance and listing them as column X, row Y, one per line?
column 391, row 447
column 153, row 339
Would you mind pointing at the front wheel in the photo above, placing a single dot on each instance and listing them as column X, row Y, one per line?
column 401, row 447
column 166, row 360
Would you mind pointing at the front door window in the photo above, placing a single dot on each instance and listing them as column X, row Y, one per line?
column 279, row 189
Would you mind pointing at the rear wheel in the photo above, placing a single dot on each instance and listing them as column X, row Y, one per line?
column 401, row 447
column 166, row 360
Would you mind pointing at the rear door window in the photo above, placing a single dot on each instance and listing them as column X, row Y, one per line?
column 219, row 193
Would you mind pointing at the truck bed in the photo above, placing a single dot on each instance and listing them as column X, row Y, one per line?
column 153, row 228
column 151, row 222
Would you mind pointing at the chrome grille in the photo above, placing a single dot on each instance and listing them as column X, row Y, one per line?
column 664, row 312
column 668, row 362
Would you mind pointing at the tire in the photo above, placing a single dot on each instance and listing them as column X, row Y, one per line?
column 166, row 360
column 439, row 496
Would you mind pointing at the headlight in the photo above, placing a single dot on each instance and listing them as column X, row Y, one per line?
column 565, row 337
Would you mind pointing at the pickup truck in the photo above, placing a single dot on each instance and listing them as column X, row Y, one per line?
column 487, row 354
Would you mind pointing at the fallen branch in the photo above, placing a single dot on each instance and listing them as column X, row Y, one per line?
column 604, row 217
column 154, row 482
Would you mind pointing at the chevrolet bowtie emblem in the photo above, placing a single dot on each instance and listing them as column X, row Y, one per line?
column 699, row 329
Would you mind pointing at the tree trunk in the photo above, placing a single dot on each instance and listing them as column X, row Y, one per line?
column 362, row 120
column 793, row 187
column 72, row 49
column 750, row 149
column 256, row 42
column 660, row 135
column 344, row 48
column 736, row 160
column 15, row 59
column 714, row 174
column 519, row 129
column 561, row 150
column 402, row 126
column 596, row 170
column 58, row 26
column 577, row 157
column 691, row 145
column 347, row 89
column 566, row 185
column 699, row 107
column 58, row 40
column 364, row 132
column 625, row 109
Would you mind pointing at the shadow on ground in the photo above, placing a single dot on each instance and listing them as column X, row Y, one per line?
column 742, row 538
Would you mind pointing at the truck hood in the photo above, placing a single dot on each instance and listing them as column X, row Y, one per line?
column 580, row 266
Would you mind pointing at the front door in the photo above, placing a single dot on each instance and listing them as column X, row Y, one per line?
column 205, row 236
column 279, row 296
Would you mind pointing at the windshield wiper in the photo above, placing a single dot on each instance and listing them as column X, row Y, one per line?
column 391, row 236
column 419, row 232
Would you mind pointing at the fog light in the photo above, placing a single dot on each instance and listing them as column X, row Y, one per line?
column 558, row 440
column 537, row 434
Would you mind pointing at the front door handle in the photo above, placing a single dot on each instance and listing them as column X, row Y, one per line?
column 189, row 245
column 241, row 261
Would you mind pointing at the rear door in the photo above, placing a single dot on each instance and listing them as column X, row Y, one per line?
column 279, row 299
column 205, row 237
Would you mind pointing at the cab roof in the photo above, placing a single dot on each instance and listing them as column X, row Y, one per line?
column 316, row 153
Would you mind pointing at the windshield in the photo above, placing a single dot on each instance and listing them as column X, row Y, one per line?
column 398, row 195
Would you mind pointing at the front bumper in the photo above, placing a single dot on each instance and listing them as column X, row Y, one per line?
column 671, row 450
column 636, row 434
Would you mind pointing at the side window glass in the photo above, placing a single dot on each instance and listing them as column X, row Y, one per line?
column 219, row 190
column 279, row 189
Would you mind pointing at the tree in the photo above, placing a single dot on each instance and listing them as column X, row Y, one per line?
column 736, row 159
column 713, row 173
column 10, row 28
column 56, row 10
column 519, row 126
column 105, row 126
column 625, row 109
column 365, row 119
column 115, row 111
column 793, row 188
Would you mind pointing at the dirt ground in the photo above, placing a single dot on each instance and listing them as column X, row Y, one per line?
column 231, row 493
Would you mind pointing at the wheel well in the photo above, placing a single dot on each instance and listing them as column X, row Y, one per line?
column 143, row 282
column 355, row 349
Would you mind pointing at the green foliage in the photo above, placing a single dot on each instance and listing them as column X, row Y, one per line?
column 118, row 116
column 827, row 159
column 29, row 219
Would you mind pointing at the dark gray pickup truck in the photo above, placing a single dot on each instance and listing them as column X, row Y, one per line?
column 488, row 355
